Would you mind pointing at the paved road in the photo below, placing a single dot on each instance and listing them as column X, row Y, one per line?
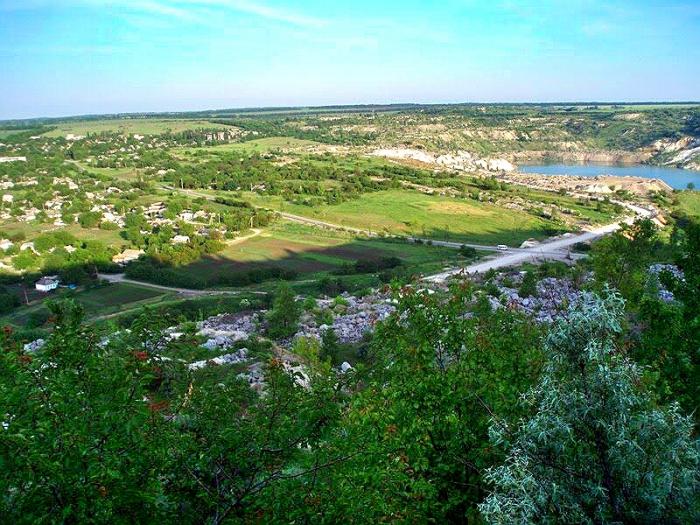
column 553, row 250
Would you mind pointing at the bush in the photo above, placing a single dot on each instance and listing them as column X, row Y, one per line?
column 528, row 288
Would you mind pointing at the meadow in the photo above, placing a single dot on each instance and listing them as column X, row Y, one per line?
column 402, row 212
column 250, row 146
column 143, row 126
column 313, row 253
column 689, row 203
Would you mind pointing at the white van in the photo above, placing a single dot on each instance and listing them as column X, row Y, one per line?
column 502, row 247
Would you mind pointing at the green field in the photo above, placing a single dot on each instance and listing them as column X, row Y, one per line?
column 413, row 213
column 689, row 203
column 313, row 252
column 100, row 301
column 130, row 126
column 252, row 146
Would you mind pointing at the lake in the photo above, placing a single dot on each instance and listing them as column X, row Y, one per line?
column 675, row 177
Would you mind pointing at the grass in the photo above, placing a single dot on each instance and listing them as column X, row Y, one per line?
column 252, row 146
column 313, row 253
column 412, row 213
column 689, row 202
column 129, row 126
column 128, row 174
column 99, row 301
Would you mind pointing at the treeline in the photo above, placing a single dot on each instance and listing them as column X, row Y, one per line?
column 316, row 130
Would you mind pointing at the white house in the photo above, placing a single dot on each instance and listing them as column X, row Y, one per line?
column 180, row 239
column 47, row 283
column 6, row 244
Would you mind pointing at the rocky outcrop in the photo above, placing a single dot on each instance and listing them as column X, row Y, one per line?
column 460, row 161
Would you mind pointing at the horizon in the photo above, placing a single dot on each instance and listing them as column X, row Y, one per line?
column 272, row 110
column 80, row 57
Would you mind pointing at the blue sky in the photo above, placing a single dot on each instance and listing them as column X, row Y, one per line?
column 68, row 57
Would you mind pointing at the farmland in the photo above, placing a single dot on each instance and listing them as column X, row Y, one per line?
column 311, row 253
column 97, row 301
column 179, row 192
column 412, row 213
column 143, row 126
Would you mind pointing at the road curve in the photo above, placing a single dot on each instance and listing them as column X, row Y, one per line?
column 557, row 249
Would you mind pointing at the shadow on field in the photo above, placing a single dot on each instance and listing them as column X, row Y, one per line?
column 276, row 258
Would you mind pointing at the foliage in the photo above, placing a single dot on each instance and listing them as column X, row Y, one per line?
column 670, row 335
column 284, row 315
column 416, row 434
column 596, row 450
column 528, row 288
column 622, row 259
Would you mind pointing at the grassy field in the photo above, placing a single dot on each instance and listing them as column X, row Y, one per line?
column 313, row 252
column 251, row 146
column 689, row 203
column 130, row 126
column 104, row 300
column 127, row 174
column 413, row 213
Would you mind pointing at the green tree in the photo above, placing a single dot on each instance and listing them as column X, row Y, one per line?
column 622, row 259
column 596, row 450
column 79, row 443
column 670, row 331
column 528, row 288
column 330, row 346
column 89, row 219
column 416, row 432
column 284, row 315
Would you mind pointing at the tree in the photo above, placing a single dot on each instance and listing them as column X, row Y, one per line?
column 284, row 315
column 528, row 288
column 416, row 431
column 25, row 260
column 330, row 347
column 670, row 334
column 596, row 449
column 622, row 259
column 89, row 219
column 78, row 439
column 468, row 252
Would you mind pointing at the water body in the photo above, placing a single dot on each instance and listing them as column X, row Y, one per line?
column 675, row 177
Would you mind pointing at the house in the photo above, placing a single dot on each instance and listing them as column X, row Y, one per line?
column 6, row 244
column 180, row 239
column 127, row 256
column 47, row 283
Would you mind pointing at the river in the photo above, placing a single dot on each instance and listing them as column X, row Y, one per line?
column 675, row 177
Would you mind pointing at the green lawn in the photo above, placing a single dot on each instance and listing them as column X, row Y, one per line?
column 689, row 202
column 128, row 174
column 412, row 213
column 130, row 126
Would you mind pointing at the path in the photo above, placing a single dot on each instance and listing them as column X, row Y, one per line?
column 121, row 278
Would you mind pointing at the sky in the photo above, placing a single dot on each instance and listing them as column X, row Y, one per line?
column 75, row 57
